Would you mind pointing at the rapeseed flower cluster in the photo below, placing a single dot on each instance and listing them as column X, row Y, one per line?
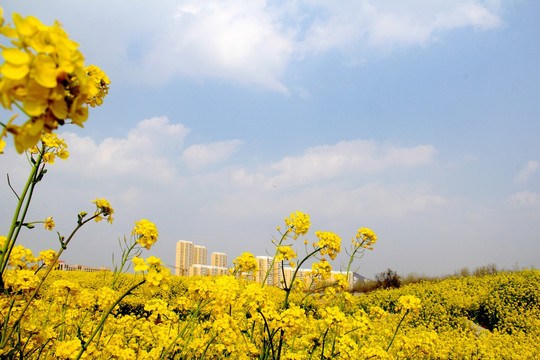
column 103, row 210
column 329, row 243
column 53, row 147
column 245, row 264
column 43, row 75
column 146, row 233
column 299, row 223
column 286, row 253
column 365, row 238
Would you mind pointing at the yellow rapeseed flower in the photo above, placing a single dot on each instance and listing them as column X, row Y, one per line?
column 246, row 263
column 329, row 242
column 299, row 223
column 140, row 265
column 153, row 261
column 49, row 223
column 43, row 72
column 47, row 256
column 409, row 302
column 365, row 238
column 146, row 233
column 103, row 209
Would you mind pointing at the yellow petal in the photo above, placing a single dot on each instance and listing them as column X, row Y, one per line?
column 9, row 32
column 59, row 109
column 23, row 26
column 14, row 72
column 15, row 56
column 36, row 101
column 63, row 154
column 26, row 136
column 45, row 71
column 79, row 116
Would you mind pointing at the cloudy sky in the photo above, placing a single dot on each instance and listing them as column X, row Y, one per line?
column 419, row 119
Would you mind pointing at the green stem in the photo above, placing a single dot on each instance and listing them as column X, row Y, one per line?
column 283, row 237
column 395, row 332
column 289, row 288
column 17, row 223
column 125, row 257
column 104, row 318
column 323, row 343
column 353, row 255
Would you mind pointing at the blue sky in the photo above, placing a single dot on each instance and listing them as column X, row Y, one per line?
column 418, row 119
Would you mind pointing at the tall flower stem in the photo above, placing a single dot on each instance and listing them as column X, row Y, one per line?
column 283, row 237
column 105, row 315
column 18, row 219
column 395, row 332
column 125, row 258
column 289, row 288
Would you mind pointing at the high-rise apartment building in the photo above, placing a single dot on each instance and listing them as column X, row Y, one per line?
column 265, row 263
column 218, row 259
column 200, row 255
column 184, row 257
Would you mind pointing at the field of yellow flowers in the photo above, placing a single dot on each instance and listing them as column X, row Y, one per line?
column 224, row 317
column 50, row 314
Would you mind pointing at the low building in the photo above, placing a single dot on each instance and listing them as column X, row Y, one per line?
column 207, row 270
column 66, row 267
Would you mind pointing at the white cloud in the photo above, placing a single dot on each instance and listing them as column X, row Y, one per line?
column 233, row 40
column 525, row 198
column 201, row 155
column 347, row 25
column 346, row 157
column 375, row 200
column 525, row 173
column 145, row 153
column 251, row 42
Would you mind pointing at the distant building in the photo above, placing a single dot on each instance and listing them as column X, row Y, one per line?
column 184, row 257
column 66, row 267
column 207, row 270
column 192, row 260
column 357, row 280
column 306, row 276
column 218, row 259
column 285, row 276
column 265, row 263
column 200, row 256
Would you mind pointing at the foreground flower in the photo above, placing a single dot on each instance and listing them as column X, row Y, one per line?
column 285, row 253
column 49, row 223
column 158, row 278
column 245, row 263
column 47, row 256
column 154, row 261
column 146, row 232
column 103, row 209
column 365, row 238
column 43, row 74
column 139, row 263
column 329, row 242
column 299, row 223
column 323, row 269
column 409, row 302
column 54, row 146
